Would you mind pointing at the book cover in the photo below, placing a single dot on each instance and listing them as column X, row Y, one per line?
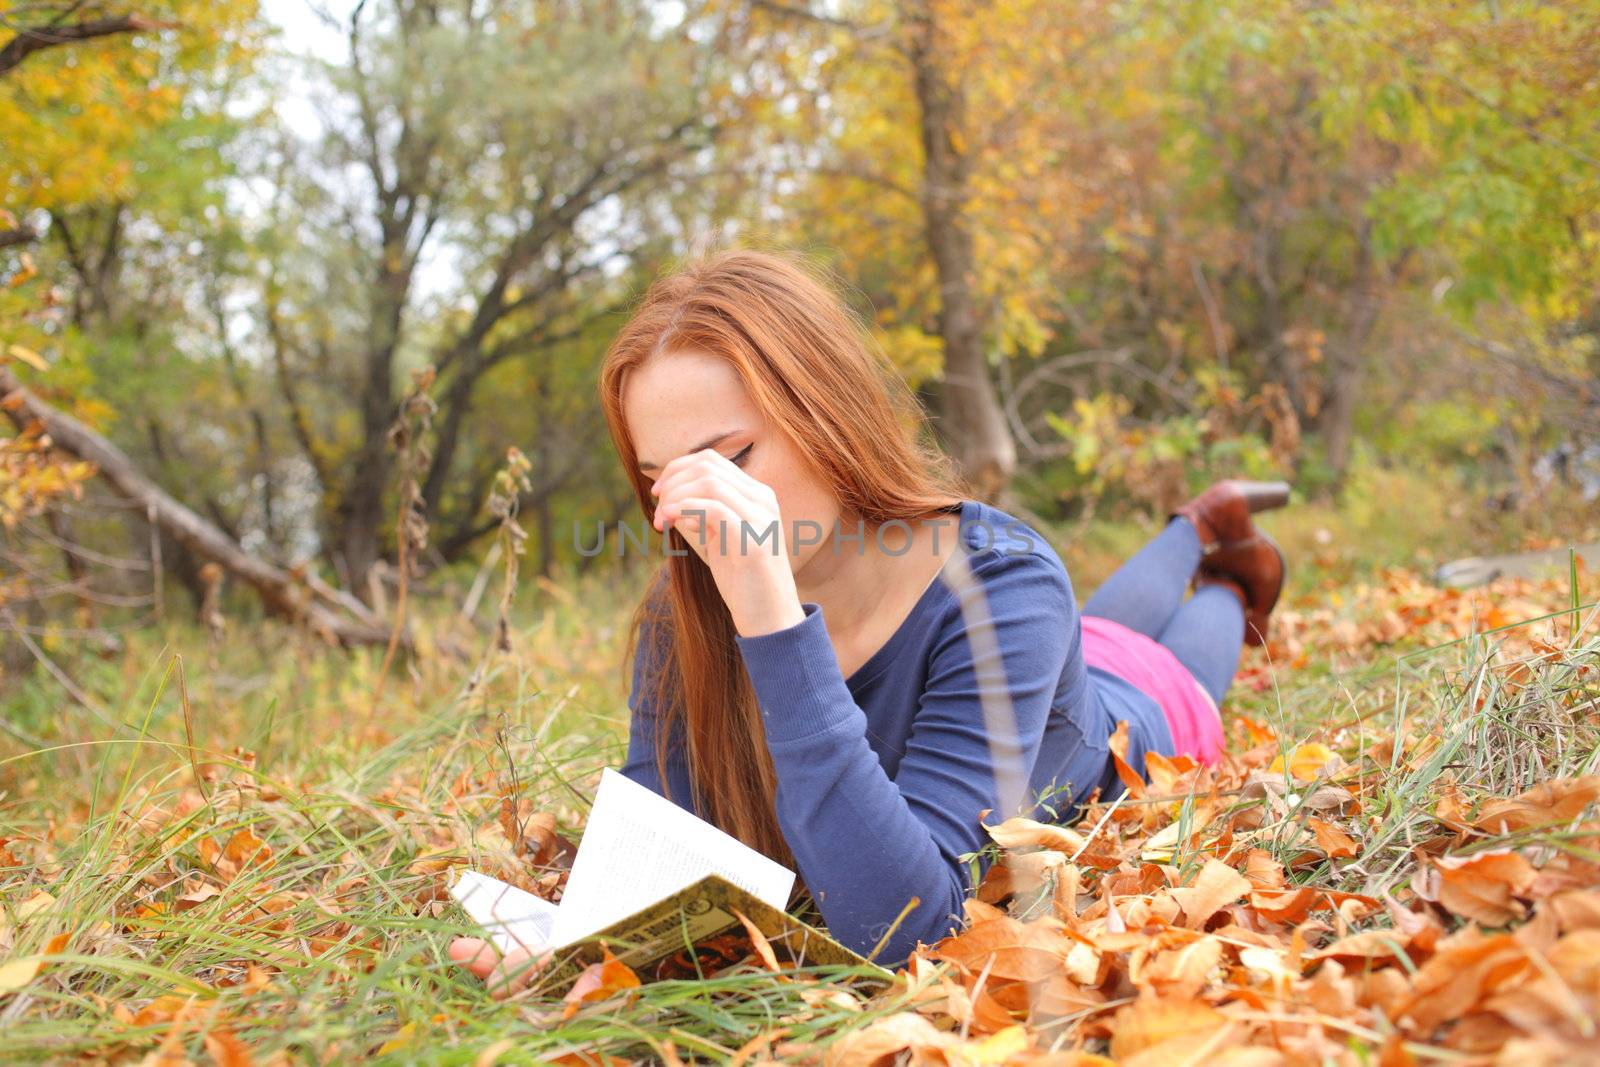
column 662, row 889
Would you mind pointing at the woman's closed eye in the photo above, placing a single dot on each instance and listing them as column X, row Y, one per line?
column 741, row 454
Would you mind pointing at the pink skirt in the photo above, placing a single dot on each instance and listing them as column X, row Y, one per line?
column 1192, row 715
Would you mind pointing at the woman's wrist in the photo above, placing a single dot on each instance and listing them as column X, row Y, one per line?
column 781, row 615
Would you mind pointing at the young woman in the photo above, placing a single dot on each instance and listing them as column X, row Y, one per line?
column 846, row 662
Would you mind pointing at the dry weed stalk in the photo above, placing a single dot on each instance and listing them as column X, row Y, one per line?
column 510, row 482
column 408, row 437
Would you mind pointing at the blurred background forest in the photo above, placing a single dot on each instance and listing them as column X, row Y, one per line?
column 282, row 283
column 301, row 308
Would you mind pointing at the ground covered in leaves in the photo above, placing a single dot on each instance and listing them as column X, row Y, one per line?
column 1398, row 862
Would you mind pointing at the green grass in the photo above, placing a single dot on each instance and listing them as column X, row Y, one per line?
column 348, row 796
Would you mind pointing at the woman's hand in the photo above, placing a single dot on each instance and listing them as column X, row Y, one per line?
column 503, row 975
column 732, row 521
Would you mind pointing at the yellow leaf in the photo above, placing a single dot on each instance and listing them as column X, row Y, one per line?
column 28, row 356
column 14, row 974
column 997, row 1047
column 1306, row 761
column 34, row 905
column 402, row 1037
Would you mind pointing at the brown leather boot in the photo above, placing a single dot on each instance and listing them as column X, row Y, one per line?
column 1222, row 513
column 1254, row 567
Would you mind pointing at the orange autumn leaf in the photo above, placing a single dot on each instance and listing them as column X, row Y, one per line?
column 887, row 1037
column 1152, row 1021
column 243, row 849
column 1547, row 804
column 1182, row 971
column 1367, row 949
column 1483, row 887
column 1307, row 762
column 1334, row 842
column 1008, row 949
column 586, row 1058
column 1287, row 907
column 599, row 981
column 1166, row 774
column 1118, row 743
column 227, row 1050
column 1217, row 886
column 1023, row 833
column 988, row 1008
column 1467, row 967
column 1264, row 871
column 759, row 940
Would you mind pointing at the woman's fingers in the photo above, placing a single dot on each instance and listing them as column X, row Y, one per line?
column 708, row 473
column 514, row 972
column 475, row 954
column 503, row 975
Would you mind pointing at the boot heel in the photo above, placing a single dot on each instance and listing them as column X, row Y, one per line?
column 1263, row 496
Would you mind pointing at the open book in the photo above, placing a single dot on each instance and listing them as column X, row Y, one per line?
column 658, row 886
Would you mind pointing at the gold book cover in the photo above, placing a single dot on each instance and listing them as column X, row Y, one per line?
column 696, row 931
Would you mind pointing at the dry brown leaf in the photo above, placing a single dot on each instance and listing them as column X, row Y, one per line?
column 226, row 1050
column 1286, row 908
column 1467, row 967
column 1334, row 842
column 1482, row 886
column 759, row 940
column 1217, row 886
column 1022, row 833
column 1546, row 804
column 599, row 981
column 1151, row 1021
column 1264, row 871
column 195, row 897
column 1180, row 972
column 886, row 1037
column 1008, row 949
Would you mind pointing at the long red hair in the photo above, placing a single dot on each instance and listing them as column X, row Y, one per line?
column 810, row 367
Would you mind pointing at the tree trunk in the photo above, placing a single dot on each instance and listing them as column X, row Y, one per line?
column 971, row 419
column 304, row 600
column 1348, row 358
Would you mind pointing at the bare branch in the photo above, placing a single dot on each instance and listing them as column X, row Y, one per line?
column 38, row 38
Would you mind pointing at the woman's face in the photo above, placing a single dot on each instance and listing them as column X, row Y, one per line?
column 683, row 401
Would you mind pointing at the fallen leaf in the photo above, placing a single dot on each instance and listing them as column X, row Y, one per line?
column 402, row 1038
column 1180, row 972
column 1008, row 949
column 759, row 940
column 885, row 1038
column 1150, row 1021
column 1022, row 833
column 1307, row 762
column 1547, row 804
column 599, row 981
column 1217, row 886
column 16, row 973
column 1482, row 887
column 1334, row 842
column 227, row 1050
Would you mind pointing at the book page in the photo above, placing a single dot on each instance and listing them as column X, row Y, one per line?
column 640, row 847
column 512, row 918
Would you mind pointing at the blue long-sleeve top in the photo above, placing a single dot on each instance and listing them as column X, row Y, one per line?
column 882, row 776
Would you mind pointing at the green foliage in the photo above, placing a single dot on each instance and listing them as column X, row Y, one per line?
column 1112, row 454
